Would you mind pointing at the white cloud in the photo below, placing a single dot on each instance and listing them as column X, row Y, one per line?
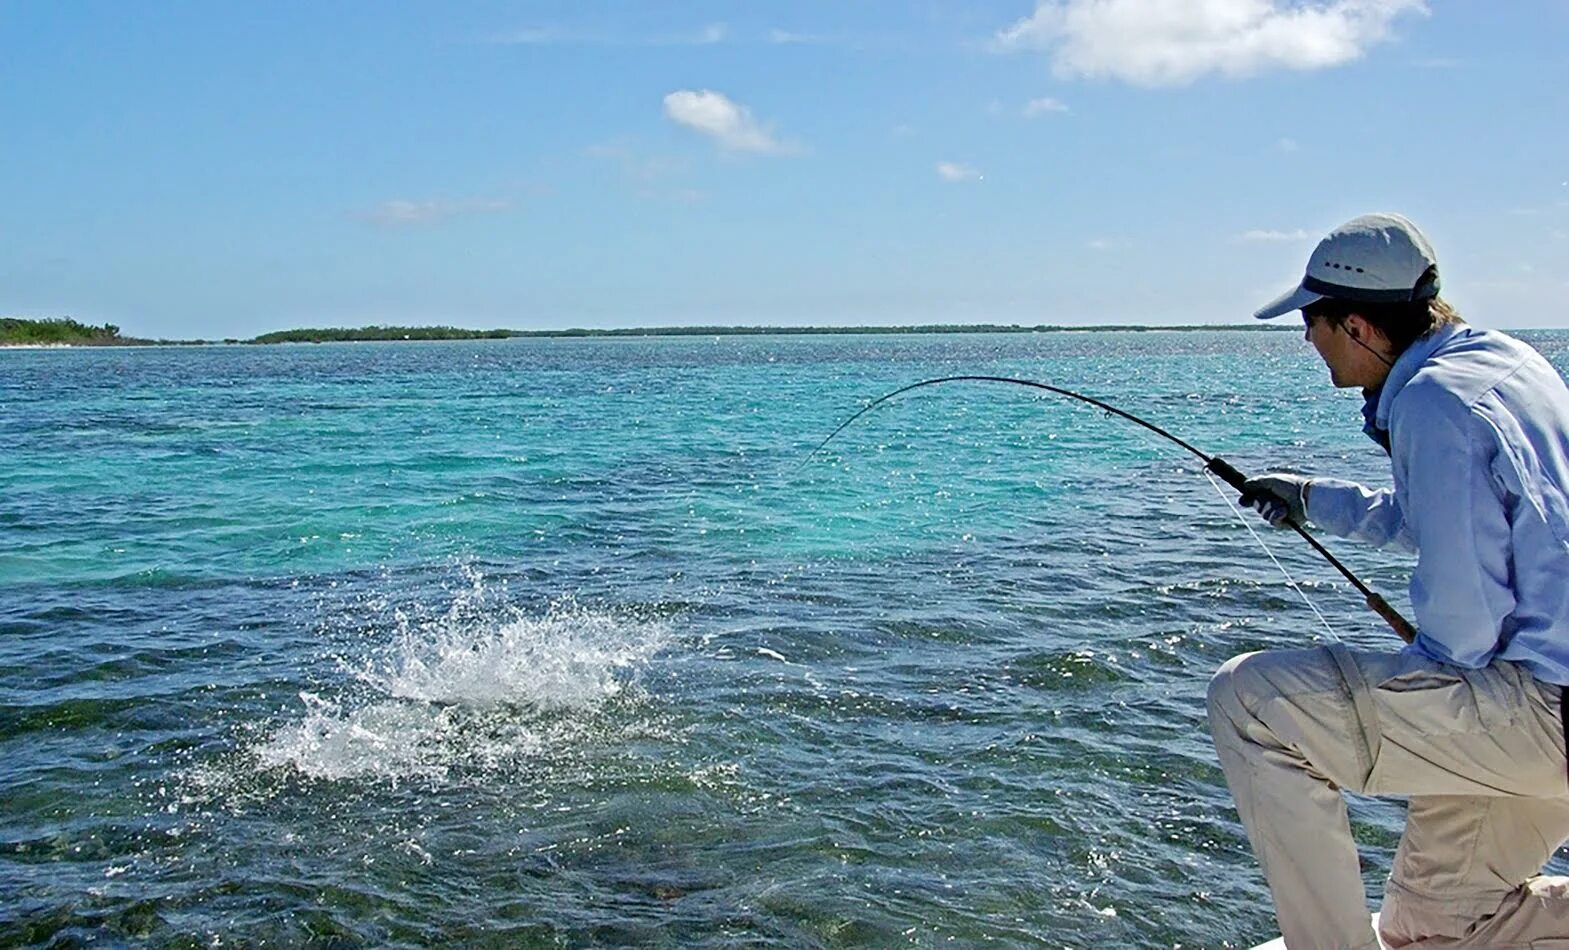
column 1170, row 42
column 1042, row 106
column 726, row 122
column 1264, row 234
column 1288, row 145
column 953, row 171
column 401, row 212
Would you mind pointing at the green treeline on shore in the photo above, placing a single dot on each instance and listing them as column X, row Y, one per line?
column 335, row 334
column 61, row 331
column 64, row 331
column 349, row 334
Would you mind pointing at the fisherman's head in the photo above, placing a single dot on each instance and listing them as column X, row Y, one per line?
column 1370, row 291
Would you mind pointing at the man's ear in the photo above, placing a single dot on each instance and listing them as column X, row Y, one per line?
column 1357, row 327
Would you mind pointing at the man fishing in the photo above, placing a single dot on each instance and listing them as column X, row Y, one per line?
column 1467, row 721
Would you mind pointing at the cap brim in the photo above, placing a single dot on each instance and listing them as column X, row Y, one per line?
column 1294, row 299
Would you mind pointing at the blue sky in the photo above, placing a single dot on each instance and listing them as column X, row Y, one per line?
column 217, row 169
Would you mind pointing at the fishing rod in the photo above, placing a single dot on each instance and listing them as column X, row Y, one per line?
column 1212, row 463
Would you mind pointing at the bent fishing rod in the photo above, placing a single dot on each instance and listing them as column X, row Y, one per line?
column 1212, row 463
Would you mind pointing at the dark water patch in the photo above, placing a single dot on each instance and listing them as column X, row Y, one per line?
column 81, row 612
column 68, row 714
column 1070, row 670
column 92, row 841
column 153, row 578
column 940, row 630
column 16, row 521
column 138, row 672
column 109, row 423
column 41, row 922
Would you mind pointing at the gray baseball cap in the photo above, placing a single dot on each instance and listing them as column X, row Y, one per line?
column 1376, row 258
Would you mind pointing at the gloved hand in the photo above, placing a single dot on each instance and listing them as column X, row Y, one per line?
column 1278, row 496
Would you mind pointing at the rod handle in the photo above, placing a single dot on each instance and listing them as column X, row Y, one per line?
column 1380, row 606
column 1228, row 474
column 1392, row 617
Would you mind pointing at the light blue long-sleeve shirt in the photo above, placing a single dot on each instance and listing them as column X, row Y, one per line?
column 1478, row 427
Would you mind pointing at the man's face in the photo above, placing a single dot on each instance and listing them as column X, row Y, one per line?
column 1335, row 347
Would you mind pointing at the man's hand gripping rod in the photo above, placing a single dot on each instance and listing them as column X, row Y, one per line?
column 1380, row 606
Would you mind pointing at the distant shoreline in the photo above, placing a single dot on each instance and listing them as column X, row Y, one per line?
column 398, row 334
column 25, row 334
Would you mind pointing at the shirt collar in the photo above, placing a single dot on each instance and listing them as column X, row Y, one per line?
column 1370, row 419
column 1406, row 366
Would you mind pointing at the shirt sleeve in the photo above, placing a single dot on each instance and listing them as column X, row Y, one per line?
column 1443, row 475
column 1348, row 510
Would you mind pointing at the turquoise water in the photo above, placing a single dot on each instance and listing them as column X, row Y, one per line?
column 557, row 642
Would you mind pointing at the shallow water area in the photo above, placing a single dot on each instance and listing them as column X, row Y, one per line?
column 556, row 641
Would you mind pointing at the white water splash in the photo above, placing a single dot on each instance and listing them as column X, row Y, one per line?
column 395, row 740
column 571, row 658
column 481, row 687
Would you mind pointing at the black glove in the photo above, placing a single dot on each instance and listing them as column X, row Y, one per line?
column 1278, row 496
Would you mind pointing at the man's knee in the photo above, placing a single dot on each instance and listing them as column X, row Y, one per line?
column 1486, row 918
column 1233, row 689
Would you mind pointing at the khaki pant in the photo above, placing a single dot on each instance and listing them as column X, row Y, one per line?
column 1480, row 753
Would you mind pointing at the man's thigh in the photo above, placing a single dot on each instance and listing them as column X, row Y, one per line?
column 1402, row 724
column 1440, row 730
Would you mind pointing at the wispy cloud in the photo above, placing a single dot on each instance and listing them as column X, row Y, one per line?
column 402, row 212
column 534, row 36
column 728, row 123
column 648, row 176
column 554, row 36
column 1170, row 42
column 854, row 42
column 954, row 171
column 707, row 36
column 1045, row 105
column 1265, row 234
column 1288, row 145
column 791, row 38
column 637, row 166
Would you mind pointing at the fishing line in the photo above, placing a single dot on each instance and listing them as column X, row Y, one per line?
column 1291, row 582
column 1212, row 463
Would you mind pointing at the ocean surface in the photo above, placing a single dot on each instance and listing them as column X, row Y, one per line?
column 567, row 642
